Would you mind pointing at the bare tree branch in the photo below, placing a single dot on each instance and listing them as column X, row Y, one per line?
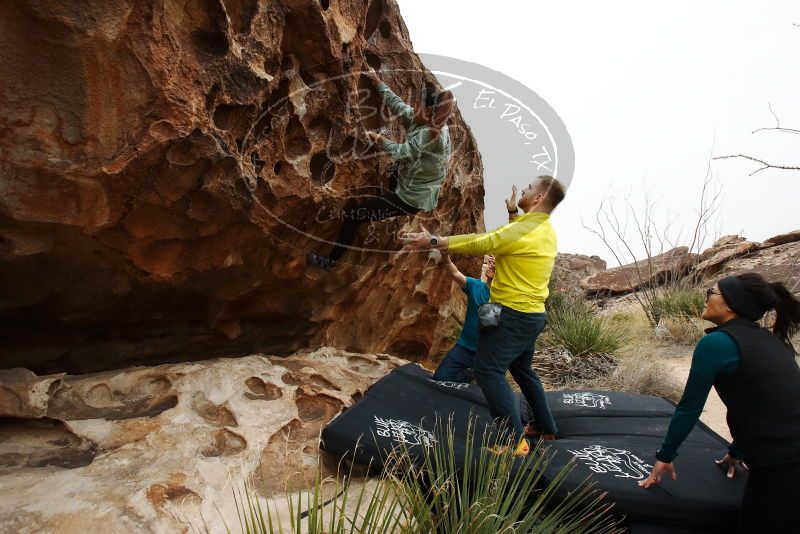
column 777, row 126
column 762, row 162
column 765, row 165
column 611, row 227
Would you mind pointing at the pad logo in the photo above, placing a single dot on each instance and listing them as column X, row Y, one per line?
column 454, row 385
column 403, row 432
column 586, row 399
column 623, row 464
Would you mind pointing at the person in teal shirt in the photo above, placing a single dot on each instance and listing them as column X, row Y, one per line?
column 422, row 165
column 715, row 355
column 456, row 366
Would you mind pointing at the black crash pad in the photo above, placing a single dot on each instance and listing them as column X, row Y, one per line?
column 701, row 496
column 653, row 427
column 598, row 403
column 611, row 437
column 403, row 409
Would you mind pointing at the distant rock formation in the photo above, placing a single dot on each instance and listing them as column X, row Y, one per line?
column 570, row 269
column 166, row 166
column 777, row 259
column 778, row 263
column 782, row 239
column 151, row 449
column 724, row 249
column 672, row 264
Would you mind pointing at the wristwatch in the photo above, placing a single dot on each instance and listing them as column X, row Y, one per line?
column 434, row 241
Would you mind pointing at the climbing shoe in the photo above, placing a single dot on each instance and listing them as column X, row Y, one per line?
column 522, row 448
column 315, row 260
column 534, row 434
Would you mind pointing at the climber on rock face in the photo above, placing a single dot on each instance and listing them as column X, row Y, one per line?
column 525, row 252
column 422, row 159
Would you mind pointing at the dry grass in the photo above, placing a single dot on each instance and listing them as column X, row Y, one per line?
column 681, row 330
column 644, row 375
column 642, row 364
column 561, row 369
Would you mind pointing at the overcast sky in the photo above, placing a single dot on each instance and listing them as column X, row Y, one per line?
column 647, row 92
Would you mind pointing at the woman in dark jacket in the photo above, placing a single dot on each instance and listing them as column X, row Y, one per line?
column 757, row 377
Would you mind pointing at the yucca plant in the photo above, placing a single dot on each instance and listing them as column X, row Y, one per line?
column 574, row 325
column 428, row 490
column 352, row 509
column 677, row 301
column 493, row 493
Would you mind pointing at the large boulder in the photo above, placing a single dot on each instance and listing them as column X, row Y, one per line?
column 160, row 449
column 167, row 165
column 670, row 265
column 570, row 269
column 782, row 239
column 714, row 258
column 779, row 263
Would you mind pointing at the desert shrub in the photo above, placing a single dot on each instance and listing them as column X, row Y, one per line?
column 677, row 301
column 574, row 325
column 559, row 368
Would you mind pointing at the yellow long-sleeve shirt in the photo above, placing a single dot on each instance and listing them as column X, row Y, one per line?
column 525, row 251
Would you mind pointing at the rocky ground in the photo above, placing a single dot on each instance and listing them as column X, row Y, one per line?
column 159, row 449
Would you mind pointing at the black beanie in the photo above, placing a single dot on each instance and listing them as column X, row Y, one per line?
column 738, row 300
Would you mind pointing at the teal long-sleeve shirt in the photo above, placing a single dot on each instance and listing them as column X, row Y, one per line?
column 715, row 355
column 423, row 160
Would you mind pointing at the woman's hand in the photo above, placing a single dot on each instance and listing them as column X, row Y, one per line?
column 659, row 470
column 372, row 75
column 731, row 464
column 511, row 203
column 374, row 137
column 416, row 240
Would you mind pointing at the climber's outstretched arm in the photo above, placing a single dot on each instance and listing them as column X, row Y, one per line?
column 392, row 101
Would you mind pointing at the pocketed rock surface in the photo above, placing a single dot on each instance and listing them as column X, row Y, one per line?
column 154, row 449
column 166, row 165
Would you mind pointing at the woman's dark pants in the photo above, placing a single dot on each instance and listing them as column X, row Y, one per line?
column 770, row 500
